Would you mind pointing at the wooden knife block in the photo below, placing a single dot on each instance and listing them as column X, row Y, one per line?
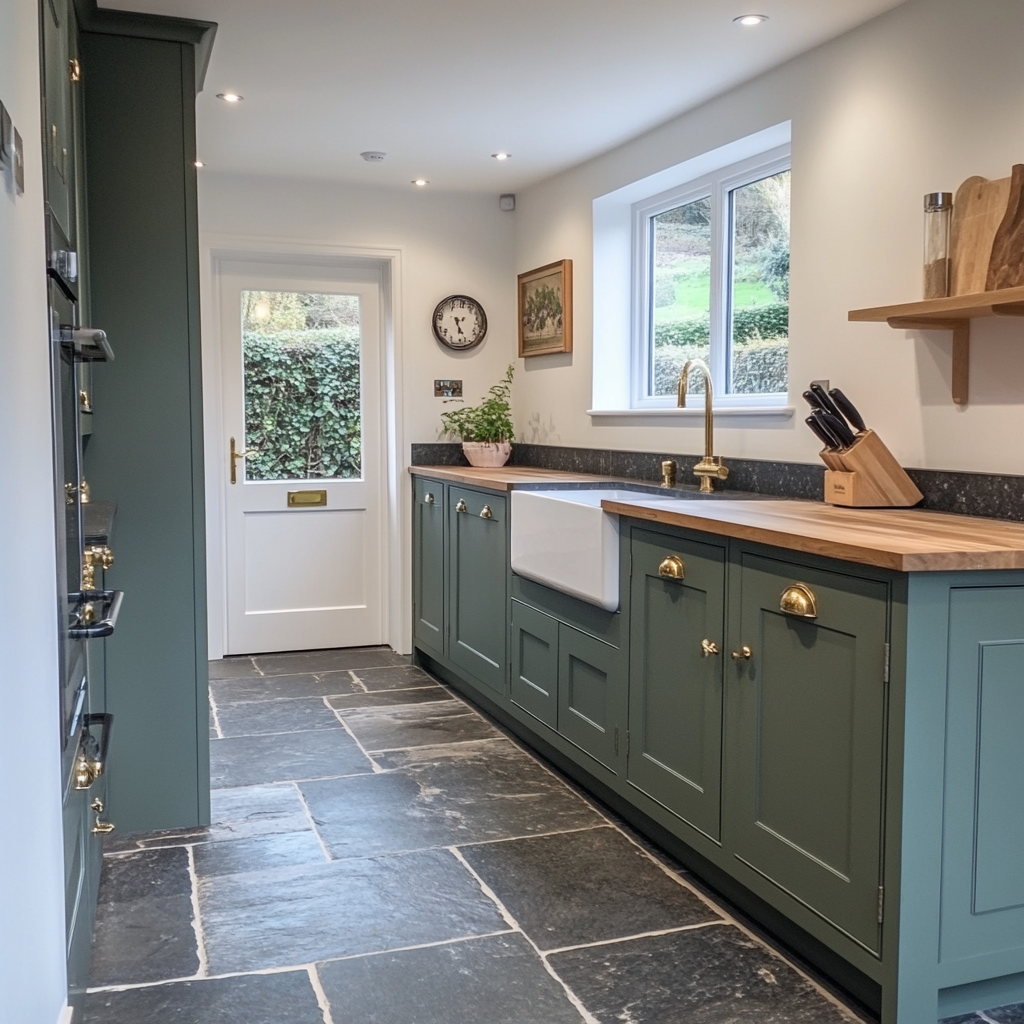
column 867, row 475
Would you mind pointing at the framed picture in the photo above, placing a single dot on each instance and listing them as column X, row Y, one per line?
column 545, row 310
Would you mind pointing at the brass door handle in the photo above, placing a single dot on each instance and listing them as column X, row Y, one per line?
column 798, row 599
column 743, row 654
column 235, row 456
column 100, row 828
column 428, row 500
column 671, row 568
column 708, row 648
column 461, row 506
column 485, row 512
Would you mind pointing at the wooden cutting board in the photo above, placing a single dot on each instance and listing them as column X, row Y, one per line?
column 1006, row 268
column 979, row 209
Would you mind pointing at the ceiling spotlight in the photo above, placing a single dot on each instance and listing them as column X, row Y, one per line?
column 751, row 19
column 230, row 97
column 421, row 182
column 199, row 163
column 373, row 156
column 502, row 156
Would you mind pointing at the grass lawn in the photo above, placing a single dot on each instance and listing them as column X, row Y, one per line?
column 693, row 297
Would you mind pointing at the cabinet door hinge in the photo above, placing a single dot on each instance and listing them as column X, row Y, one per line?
column 885, row 671
column 881, row 903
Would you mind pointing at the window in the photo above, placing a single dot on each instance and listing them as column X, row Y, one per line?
column 711, row 273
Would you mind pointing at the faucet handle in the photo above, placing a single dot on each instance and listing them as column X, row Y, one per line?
column 668, row 473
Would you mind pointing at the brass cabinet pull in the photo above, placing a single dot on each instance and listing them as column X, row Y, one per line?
column 94, row 556
column 798, row 599
column 100, row 828
column 671, row 567
column 485, row 512
column 428, row 500
column 235, row 456
column 743, row 654
column 461, row 506
column 708, row 648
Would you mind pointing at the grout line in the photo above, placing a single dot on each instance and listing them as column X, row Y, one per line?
column 357, row 681
column 216, row 717
column 197, row 923
column 985, row 1017
column 321, row 995
column 454, row 743
column 421, row 945
column 526, row 835
column 377, row 769
column 639, row 935
column 286, row 732
column 588, row 1017
column 312, row 822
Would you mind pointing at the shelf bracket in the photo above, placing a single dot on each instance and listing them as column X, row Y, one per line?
column 961, row 329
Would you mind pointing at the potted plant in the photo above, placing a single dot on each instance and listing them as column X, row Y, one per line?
column 485, row 430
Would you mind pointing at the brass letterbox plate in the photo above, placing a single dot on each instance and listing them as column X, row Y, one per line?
column 306, row 499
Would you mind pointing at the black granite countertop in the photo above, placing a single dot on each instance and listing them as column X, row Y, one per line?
column 98, row 521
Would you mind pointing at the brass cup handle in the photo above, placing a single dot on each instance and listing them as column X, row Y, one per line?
column 671, row 568
column 100, row 828
column 461, row 506
column 743, row 654
column 428, row 500
column 708, row 648
column 486, row 513
column 798, row 600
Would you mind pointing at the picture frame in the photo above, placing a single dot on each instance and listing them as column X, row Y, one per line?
column 545, row 310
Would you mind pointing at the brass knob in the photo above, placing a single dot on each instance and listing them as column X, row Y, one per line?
column 85, row 772
column 428, row 500
column 485, row 512
column 798, row 599
column 743, row 654
column 671, row 567
column 708, row 648
column 461, row 506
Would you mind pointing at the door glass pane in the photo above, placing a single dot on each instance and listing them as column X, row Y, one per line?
column 759, row 328
column 680, row 300
column 300, row 354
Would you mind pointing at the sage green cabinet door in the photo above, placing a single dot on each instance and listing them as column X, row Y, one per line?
column 478, row 587
column 675, row 681
column 805, row 740
column 534, row 685
column 591, row 695
column 58, row 142
column 428, row 601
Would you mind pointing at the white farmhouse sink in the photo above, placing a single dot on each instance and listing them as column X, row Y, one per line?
column 564, row 540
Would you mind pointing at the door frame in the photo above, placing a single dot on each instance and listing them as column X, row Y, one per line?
column 216, row 250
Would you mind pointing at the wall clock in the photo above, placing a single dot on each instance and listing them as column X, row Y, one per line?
column 459, row 322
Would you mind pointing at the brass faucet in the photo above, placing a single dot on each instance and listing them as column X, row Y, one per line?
column 709, row 467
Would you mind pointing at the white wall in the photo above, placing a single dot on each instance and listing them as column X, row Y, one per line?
column 32, row 978
column 447, row 242
column 912, row 102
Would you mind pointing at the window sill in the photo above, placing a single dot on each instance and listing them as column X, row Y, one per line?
column 692, row 412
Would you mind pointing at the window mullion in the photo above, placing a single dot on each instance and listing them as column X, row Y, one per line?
column 719, row 286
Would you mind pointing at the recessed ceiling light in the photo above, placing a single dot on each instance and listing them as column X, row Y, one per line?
column 421, row 182
column 199, row 163
column 751, row 19
column 230, row 97
column 502, row 156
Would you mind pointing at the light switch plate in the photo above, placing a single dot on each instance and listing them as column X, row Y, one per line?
column 826, row 384
column 447, row 388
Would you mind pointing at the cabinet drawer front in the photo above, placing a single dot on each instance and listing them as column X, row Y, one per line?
column 429, row 562
column 805, row 739
column 478, row 576
column 675, row 689
column 591, row 691
column 535, row 663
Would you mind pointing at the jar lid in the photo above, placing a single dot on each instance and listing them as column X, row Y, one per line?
column 935, row 202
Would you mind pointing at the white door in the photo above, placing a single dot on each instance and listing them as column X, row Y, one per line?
column 303, row 505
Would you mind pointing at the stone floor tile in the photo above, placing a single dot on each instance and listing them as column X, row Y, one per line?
column 494, row 980
column 285, row 998
column 146, row 873
column 262, row 688
column 582, row 887
column 258, row 853
column 253, row 760
column 255, row 811
column 1007, row 1014
column 232, row 668
column 327, row 661
column 310, row 912
column 389, row 698
column 966, row 1018
column 443, row 796
column 712, row 975
column 264, row 717
column 393, row 678
column 418, row 725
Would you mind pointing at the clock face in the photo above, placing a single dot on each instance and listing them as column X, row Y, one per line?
column 459, row 322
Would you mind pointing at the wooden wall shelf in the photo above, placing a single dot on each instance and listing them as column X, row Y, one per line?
column 950, row 314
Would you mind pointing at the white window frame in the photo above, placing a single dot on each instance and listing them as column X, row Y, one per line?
column 716, row 185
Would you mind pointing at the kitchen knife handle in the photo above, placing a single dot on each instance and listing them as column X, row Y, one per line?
column 825, row 401
column 819, row 432
column 848, row 409
column 838, row 427
column 813, row 401
column 819, row 417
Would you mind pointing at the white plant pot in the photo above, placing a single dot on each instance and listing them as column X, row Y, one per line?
column 487, row 455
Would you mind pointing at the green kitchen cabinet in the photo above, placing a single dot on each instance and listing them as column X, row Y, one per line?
column 534, row 684
column 677, row 637
column 805, row 731
column 478, row 585
column 591, row 695
column 429, row 564
column 60, row 142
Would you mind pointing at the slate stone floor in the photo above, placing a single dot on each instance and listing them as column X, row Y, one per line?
column 380, row 853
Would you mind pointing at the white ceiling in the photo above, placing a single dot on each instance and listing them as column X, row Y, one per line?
column 439, row 85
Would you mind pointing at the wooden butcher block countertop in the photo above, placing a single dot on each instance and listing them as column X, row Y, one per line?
column 902, row 539
column 504, row 478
